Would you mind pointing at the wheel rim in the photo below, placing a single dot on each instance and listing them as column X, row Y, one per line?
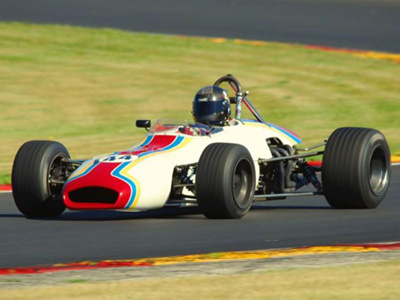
column 242, row 184
column 55, row 171
column 378, row 171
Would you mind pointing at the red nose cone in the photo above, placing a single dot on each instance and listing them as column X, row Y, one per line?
column 98, row 189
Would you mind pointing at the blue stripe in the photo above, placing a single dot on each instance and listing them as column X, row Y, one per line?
column 146, row 141
column 251, row 121
column 116, row 173
column 295, row 138
column 95, row 163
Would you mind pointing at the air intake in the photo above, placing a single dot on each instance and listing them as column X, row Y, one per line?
column 93, row 195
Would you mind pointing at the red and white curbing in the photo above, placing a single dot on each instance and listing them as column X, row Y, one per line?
column 5, row 188
column 366, row 54
column 394, row 57
column 205, row 258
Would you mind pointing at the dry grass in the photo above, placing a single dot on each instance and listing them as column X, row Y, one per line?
column 85, row 87
column 366, row 281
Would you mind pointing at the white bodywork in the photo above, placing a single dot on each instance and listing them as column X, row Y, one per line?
column 152, row 174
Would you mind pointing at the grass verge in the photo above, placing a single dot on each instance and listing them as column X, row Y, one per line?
column 85, row 87
column 364, row 281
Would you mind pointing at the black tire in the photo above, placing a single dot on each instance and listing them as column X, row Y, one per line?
column 225, row 181
column 32, row 193
column 356, row 168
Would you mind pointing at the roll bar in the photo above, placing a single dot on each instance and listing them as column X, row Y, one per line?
column 240, row 97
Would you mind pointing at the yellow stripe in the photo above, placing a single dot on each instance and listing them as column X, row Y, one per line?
column 250, row 42
column 233, row 256
column 81, row 171
column 395, row 158
column 125, row 171
column 254, row 124
column 380, row 55
column 244, row 255
column 218, row 40
column 287, row 136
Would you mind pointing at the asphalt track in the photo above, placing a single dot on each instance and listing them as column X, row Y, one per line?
column 360, row 24
column 78, row 235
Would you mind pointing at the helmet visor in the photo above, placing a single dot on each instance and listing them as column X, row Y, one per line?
column 208, row 108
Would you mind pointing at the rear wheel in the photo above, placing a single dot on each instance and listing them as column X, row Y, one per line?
column 36, row 163
column 356, row 168
column 225, row 181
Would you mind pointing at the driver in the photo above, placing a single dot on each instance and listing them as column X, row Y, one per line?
column 211, row 106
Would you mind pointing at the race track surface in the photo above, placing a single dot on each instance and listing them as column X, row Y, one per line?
column 79, row 236
column 361, row 24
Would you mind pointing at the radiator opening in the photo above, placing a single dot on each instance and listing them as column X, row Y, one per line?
column 94, row 195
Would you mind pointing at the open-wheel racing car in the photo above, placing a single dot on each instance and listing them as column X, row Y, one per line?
column 220, row 163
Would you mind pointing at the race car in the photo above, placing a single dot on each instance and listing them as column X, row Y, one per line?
column 219, row 162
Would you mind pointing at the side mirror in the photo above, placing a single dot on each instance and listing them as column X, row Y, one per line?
column 146, row 124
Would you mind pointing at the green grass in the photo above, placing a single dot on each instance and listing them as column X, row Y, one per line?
column 12, row 280
column 5, row 178
column 85, row 87
column 77, row 280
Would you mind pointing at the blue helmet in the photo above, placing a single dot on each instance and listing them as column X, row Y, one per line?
column 211, row 106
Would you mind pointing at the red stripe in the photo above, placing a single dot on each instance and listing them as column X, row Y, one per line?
column 288, row 130
column 318, row 163
column 389, row 246
column 5, row 187
column 334, row 49
column 315, row 163
column 72, row 267
column 248, row 106
column 157, row 143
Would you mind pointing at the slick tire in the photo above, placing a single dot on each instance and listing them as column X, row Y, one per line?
column 225, row 181
column 32, row 192
column 356, row 168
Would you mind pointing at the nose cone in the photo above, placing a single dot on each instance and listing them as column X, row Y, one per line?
column 98, row 187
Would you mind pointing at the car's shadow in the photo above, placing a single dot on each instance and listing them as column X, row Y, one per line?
column 291, row 207
column 166, row 213
column 5, row 216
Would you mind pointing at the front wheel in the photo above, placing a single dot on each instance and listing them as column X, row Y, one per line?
column 225, row 181
column 35, row 165
column 356, row 168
